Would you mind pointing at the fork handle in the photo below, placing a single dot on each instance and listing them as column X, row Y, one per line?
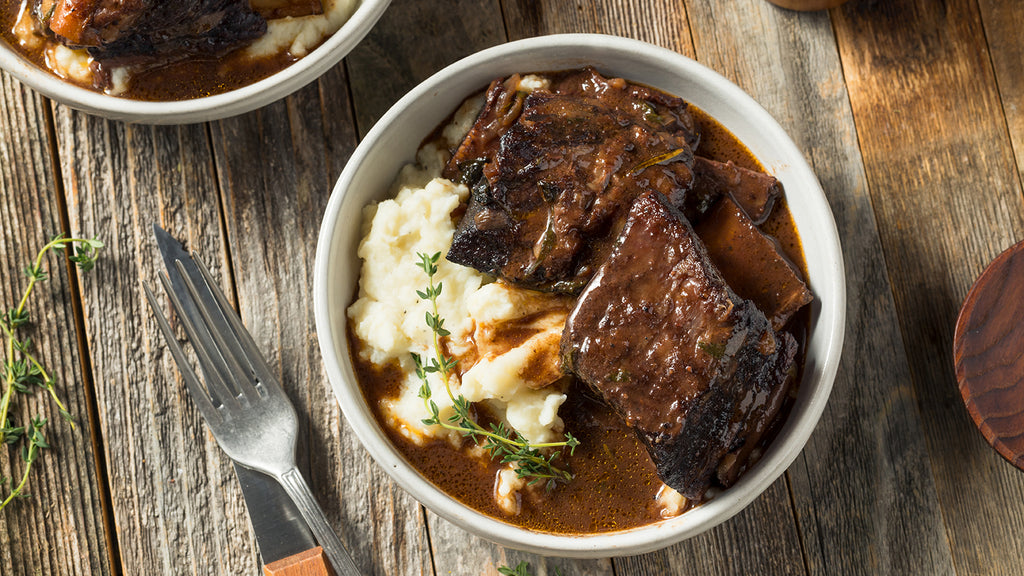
column 295, row 485
column 309, row 563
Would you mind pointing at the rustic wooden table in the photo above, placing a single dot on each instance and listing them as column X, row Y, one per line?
column 910, row 111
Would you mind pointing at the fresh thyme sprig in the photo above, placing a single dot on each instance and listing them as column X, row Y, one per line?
column 508, row 445
column 21, row 372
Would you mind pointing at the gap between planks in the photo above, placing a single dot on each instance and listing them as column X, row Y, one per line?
column 82, row 344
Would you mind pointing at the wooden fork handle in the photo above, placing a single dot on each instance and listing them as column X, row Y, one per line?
column 312, row 562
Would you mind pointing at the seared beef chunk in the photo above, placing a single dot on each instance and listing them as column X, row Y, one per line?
column 553, row 174
column 151, row 32
column 594, row 179
column 502, row 106
column 755, row 192
column 752, row 263
column 697, row 371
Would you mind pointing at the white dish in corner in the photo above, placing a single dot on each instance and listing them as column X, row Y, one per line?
column 239, row 101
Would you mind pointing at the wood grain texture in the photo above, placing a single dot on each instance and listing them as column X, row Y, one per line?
column 457, row 552
column 177, row 505
column 276, row 169
column 414, row 39
column 60, row 529
column 1003, row 20
column 761, row 539
column 946, row 196
column 309, row 563
column 660, row 22
column 869, row 438
column 988, row 348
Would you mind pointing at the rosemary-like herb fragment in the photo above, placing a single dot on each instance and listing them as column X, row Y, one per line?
column 21, row 372
column 659, row 159
column 508, row 445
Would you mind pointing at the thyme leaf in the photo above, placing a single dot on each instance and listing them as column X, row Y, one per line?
column 503, row 443
column 714, row 349
column 521, row 569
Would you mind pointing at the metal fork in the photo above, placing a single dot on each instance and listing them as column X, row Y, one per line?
column 242, row 403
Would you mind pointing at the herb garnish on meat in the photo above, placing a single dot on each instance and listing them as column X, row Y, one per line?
column 499, row 440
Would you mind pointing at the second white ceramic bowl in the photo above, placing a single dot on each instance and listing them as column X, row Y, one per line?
column 393, row 142
column 244, row 99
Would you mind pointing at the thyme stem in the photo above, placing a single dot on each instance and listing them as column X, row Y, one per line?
column 21, row 369
column 500, row 441
column 21, row 485
column 30, row 458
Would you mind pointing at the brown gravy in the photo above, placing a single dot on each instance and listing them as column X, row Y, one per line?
column 615, row 483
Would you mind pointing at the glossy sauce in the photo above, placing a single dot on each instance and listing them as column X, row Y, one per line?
column 615, row 484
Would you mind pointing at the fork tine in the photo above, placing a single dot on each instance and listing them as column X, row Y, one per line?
column 199, row 395
column 252, row 352
column 224, row 337
column 214, row 368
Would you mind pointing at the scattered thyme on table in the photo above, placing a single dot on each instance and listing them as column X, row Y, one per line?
column 509, row 445
column 23, row 373
column 521, row 569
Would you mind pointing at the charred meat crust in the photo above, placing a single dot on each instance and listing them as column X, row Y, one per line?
column 553, row 174
column 151, row 33
column 687, row 363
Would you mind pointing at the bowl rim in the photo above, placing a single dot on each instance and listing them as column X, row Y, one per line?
column 216, row 107
column 798, row 426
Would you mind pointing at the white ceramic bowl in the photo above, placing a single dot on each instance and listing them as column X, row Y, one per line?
column 232, row 103
column 392, row 143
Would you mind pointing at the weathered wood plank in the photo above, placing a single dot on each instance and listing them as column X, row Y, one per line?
column 661, row 22
column 456, row 551
column 177, row 506
column 276, row 168
column 869, row 437
column 946, row 194
column 414, row 39
column 1003, row 20
column 60, row 529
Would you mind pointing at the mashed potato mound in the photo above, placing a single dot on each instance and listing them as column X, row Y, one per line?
column 299, row 35
column 388, row 316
